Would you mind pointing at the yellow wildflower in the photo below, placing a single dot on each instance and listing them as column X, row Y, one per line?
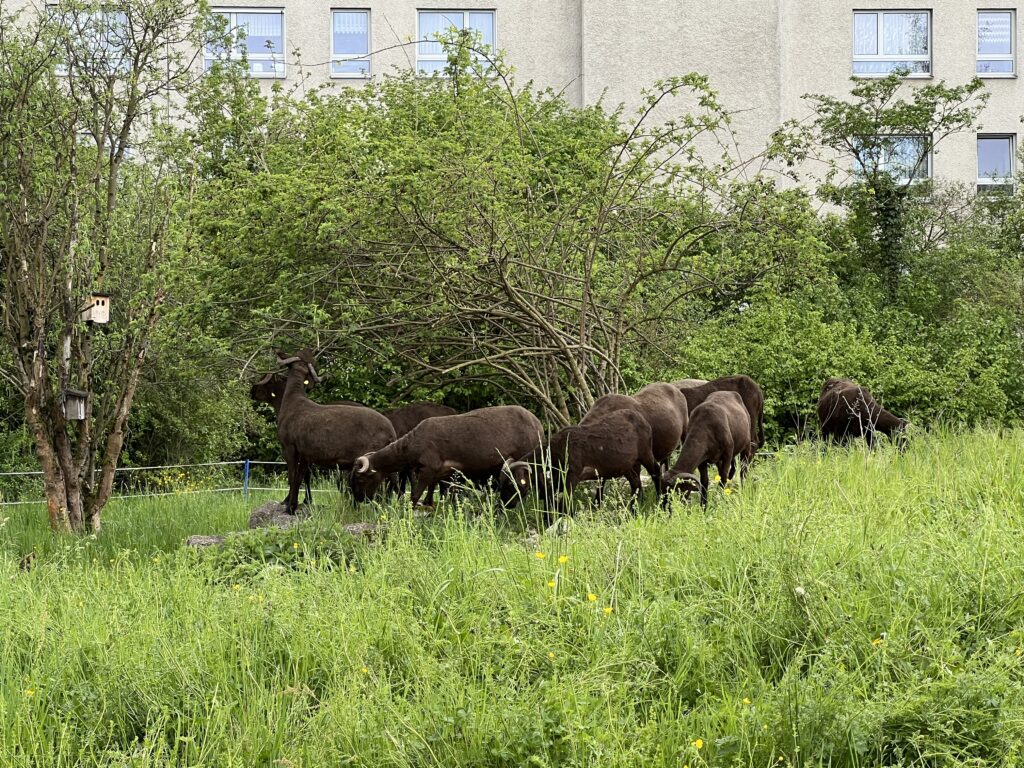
column 236, row 587
column 877, row 641
column 607, row 610
column 295, row 545
column 727, row 491
column 551, row 654
column 539, row 555
column 551, row 584
column 698, row 743
column 29, row 692
column 746, row 700
column 592, row 597
column 365, row 671
column 563, row 559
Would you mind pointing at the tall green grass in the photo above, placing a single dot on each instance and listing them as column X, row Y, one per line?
column 842, row 608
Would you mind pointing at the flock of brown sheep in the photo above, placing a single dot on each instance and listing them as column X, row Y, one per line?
column 710, row 422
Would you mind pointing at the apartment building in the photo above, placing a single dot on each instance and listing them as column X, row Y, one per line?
column 761, row 55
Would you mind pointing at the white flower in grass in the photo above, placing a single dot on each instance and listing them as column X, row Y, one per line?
column 800, row 592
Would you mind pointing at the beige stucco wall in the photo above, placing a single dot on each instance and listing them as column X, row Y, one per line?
column 762, row 55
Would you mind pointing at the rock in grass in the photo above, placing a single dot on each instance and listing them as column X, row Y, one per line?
column 272, row 514
column 204, row 541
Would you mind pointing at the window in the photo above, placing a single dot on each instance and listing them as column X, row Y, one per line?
column 995, row 43
column 106, row 36
column 995, row 163
column 884, row 41
column 430, row 56
column 350, row 43
column 906, row 158
column 258, row 35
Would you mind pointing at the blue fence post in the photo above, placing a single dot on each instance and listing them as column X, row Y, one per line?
column 245, row 481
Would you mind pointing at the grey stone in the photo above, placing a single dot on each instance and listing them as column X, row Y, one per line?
column 272, row 514
column 204, row 541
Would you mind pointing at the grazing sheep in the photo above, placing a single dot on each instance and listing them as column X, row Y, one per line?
column 661, row 404
column 404, row 419
column 322, row 435
column 616, row 444
column 719, row 432
column 749, row 392
column 476, row 444
column 847, row 410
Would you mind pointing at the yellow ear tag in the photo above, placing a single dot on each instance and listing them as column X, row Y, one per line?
column 306, row 382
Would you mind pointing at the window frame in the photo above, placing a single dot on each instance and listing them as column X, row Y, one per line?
column 352, row 56
column 879, row 13
column 465, row 25
column 1004, row 183
column 1011, row 57
column 231, row 11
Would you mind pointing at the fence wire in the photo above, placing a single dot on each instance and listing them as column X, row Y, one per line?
column 21, row 488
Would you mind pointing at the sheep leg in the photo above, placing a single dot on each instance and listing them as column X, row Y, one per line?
column 657, row 473
column 309, row 490
column 635, row 486
column 726, row 469
column 426, row 479
column 296, row 473
column 704, row 484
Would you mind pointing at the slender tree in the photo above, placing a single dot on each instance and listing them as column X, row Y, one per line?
column 87, row 196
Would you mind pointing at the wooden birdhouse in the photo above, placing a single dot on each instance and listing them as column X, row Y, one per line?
column 74, row 404
column 97, row 309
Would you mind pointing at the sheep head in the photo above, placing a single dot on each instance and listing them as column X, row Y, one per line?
column 365, row 481
column 683, row 482
column 303, row 358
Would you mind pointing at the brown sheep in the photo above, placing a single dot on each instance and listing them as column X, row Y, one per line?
column 661, row 404
column 270, row 390
column 719, row 432
column 476, row 444
column 322, row 435
column 748, row 390
column 616, row 444
column 847, row 410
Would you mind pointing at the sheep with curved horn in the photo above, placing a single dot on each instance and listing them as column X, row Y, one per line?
column 322, row 435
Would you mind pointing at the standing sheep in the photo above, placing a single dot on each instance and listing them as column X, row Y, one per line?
column 322, row 435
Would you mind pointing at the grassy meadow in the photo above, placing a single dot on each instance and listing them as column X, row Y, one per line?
column 842, row 608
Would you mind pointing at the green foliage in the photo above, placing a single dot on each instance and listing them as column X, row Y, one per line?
column 870, row 129
column 246, row 556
